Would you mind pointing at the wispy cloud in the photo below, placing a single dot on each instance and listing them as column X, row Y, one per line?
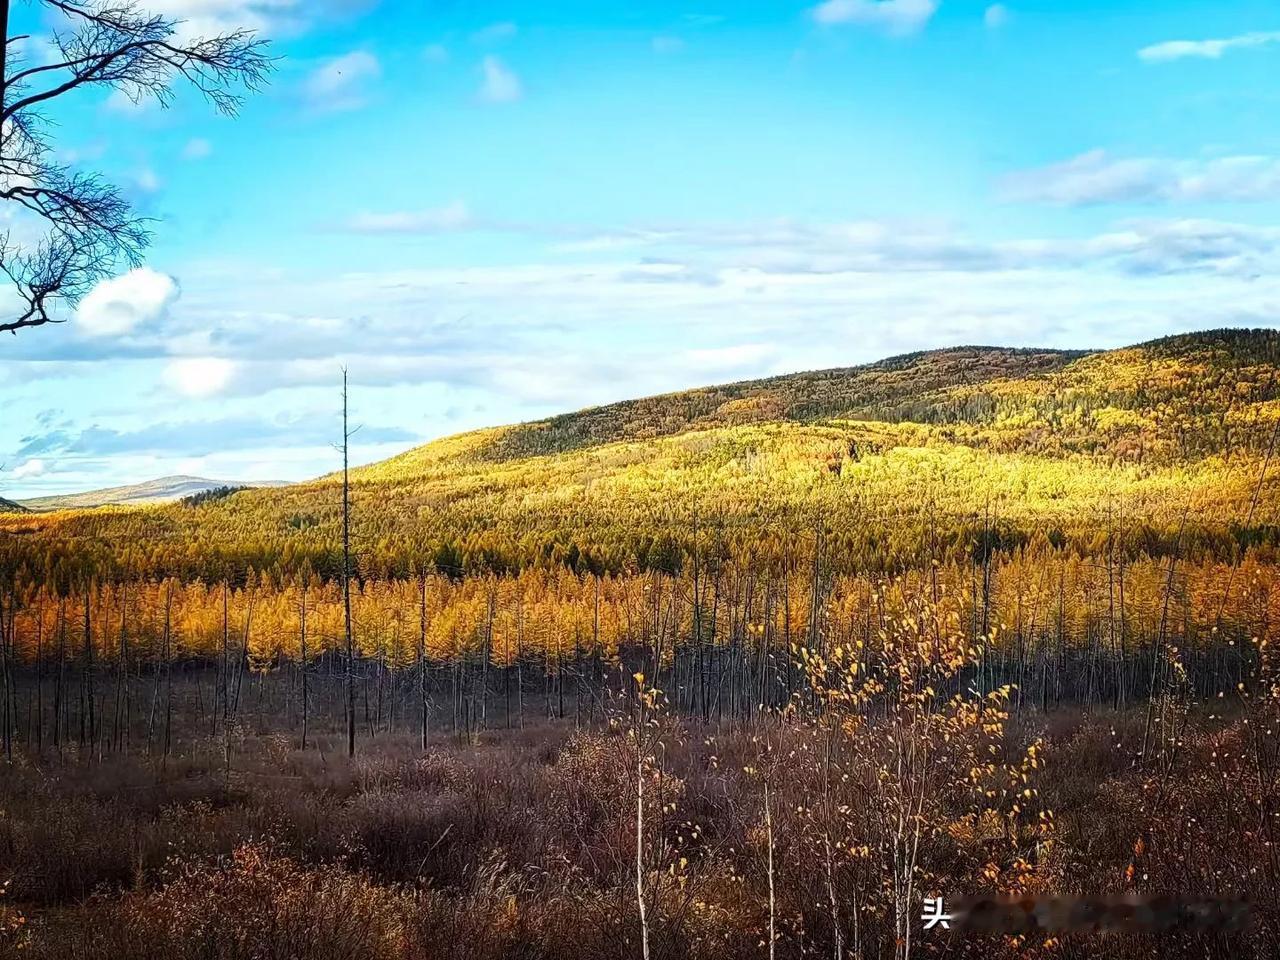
column 1205, row 49
column 500, row 83
column 455, row 216
column 147, row 181
column 995, row 16
column 341, row 83
column 893, row 16
column 197, row 148
column 195, row 437
column 495, row 33
column 1097, row 177
column 207, row 18
column 130, row 101
column 667, row 44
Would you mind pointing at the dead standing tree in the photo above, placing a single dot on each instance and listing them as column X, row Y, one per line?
column 347, row 433
column 74, row 227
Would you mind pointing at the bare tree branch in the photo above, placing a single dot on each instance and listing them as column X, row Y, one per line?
column 88, row 227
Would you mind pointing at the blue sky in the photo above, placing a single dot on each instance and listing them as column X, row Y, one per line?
column 495, row 211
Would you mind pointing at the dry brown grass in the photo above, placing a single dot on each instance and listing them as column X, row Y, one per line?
column 522, row 847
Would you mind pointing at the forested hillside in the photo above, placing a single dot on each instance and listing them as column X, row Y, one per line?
column 1156, row 444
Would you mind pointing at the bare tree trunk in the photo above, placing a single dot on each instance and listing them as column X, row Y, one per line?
column 39, row 676
column 346, row 575
column 57, row 687
column 89, row 685
column 122, row 676
column 773, row 904
column 640, row 897
column 7, row 732
column 168, row 675
column 837, row 950
column 226, row 642
column 423, row 685
column 302, row 654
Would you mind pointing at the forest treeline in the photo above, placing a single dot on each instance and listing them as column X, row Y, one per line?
column 722, row 640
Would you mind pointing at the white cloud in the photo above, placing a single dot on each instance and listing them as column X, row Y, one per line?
column 147, row 180
column 28, row 469
column 736, row 357
column 667, row 44
column 205, row 18
column 130, row 101
column 893, row 16
column 533, row 331
column 1205, row 49
column 118, row 305
column 197, row 148
column 455, row 216
column 1097, row 177
column 500, row 85
column 996, row 16
column 339, row 84
column 436, row 53
column 33, row 51
column 495, row 33
column 211, row 17
column 198, row 376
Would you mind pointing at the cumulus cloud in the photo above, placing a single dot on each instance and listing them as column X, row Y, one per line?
column 34, row 467
column 893, row 16
column 455, row 216
column 119, row 305
column 1205, row 49
column 1097, row 177
column 341, row 83
column 198, row 376
column 500, row 83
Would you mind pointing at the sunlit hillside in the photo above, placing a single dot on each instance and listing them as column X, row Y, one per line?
column 1146, row 441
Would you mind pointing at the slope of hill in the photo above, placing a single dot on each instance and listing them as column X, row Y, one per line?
column 161, row 490
column 8, row 506
column 1022, row 444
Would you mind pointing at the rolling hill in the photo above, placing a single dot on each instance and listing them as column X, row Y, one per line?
column 1065, row 445
column 161, row 490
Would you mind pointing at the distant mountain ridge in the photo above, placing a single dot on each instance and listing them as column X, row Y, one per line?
column 160, row 490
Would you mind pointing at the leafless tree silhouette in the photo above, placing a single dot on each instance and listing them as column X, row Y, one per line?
column 75, row 227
